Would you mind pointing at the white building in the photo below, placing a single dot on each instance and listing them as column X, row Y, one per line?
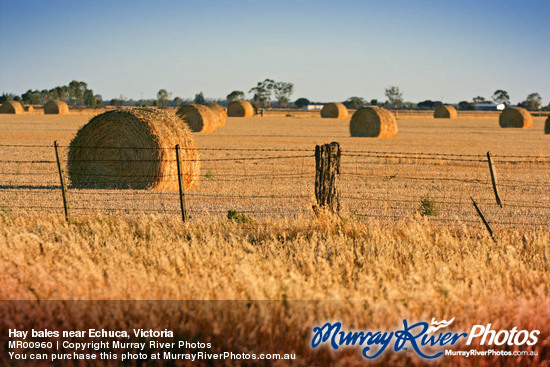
column 314, row 107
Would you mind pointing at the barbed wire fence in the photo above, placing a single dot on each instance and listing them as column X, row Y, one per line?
column 267, row 182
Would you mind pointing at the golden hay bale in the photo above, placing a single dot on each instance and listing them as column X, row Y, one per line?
column 445, row 112
column 133, row 148
column 219, row 113
column 29, row 108
column 547, row 126
column 12, row 107
column 335, row 111
column 56, row 108
column 199, row 118
column 515, row 117
column 240, row 109
column 373, row 122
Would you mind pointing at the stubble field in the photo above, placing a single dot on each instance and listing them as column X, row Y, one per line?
column 378, row 263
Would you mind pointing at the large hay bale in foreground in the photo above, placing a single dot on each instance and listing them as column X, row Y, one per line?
column 240, row 109
column 445, row 112
column 12, row 107
column 516, row 117
column 373, row 122
column 334, row 111
column 133, row 149
column 547, row 126
column 199, row 118
column 219, row 113
column 56, row 108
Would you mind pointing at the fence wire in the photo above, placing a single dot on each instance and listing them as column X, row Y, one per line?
column 280, row 183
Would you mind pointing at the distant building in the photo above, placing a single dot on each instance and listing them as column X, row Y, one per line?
column 314, row 107
column 490, row 107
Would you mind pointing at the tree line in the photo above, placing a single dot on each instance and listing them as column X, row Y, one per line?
column 265, row 94
column 75, row 94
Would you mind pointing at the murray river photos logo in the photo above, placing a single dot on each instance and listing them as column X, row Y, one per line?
column 428, row 341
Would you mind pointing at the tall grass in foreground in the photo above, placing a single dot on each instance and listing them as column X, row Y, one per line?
column 369, row 275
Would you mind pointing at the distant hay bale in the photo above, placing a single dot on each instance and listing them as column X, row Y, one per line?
column 240, row 109
column 335, row 111
column 12, row 107
column 29, row 108
column 199, row 118
column 373, row 122
column 516, row 117
column 219, row 113
column 133, row 149
column 56, row 108
column 445, row 112
column 547, row 126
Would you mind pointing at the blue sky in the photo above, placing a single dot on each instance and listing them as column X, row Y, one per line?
column 330, row 50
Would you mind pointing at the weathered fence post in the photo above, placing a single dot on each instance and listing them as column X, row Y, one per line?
column 483, row 219
column 63, row 190
column 327, row 171
column 494, row 178
column 181, row 186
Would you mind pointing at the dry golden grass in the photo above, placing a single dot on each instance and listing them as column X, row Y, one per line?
column 367, row 275
column 358, row 269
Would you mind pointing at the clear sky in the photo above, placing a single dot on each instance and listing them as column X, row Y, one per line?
column 330, row 50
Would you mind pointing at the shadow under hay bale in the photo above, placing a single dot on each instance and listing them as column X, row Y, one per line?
column 240, row 109
column 133, row 149
column 547, row 126
column 374, row 122
column 56, row 108
column 11, row 107
column 516, row 117
column 199, row 118
column 445, row 112
column 219, row 113
column 334, row 111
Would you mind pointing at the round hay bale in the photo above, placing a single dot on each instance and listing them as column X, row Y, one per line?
column 373, row 122
column 547, row 126
column 199, row 118
column 219, row 113
column 516, row 117
column 445, row 112
column 29, row 108
column 12, row 107
column 56, row 108
column 133, row 149
column 334, row 111
column 240, row 109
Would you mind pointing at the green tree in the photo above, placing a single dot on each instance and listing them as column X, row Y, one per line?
column 532, row 102
column 235, row 95
column 31, row 97
column 177, row 101
column 283, row 91
column 262, row 92
column 199, row 98
column 76, row 92
column 301, row 102
column 354, row 102
column 373, row 102
column 394, row 95
column 501, row 96
column 480, row 100
column 162, row 98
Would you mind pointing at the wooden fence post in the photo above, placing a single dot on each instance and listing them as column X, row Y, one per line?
column 63, row 190
column 327, row 171
column 483, row 219
column 181, row 186
column 494, row 179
